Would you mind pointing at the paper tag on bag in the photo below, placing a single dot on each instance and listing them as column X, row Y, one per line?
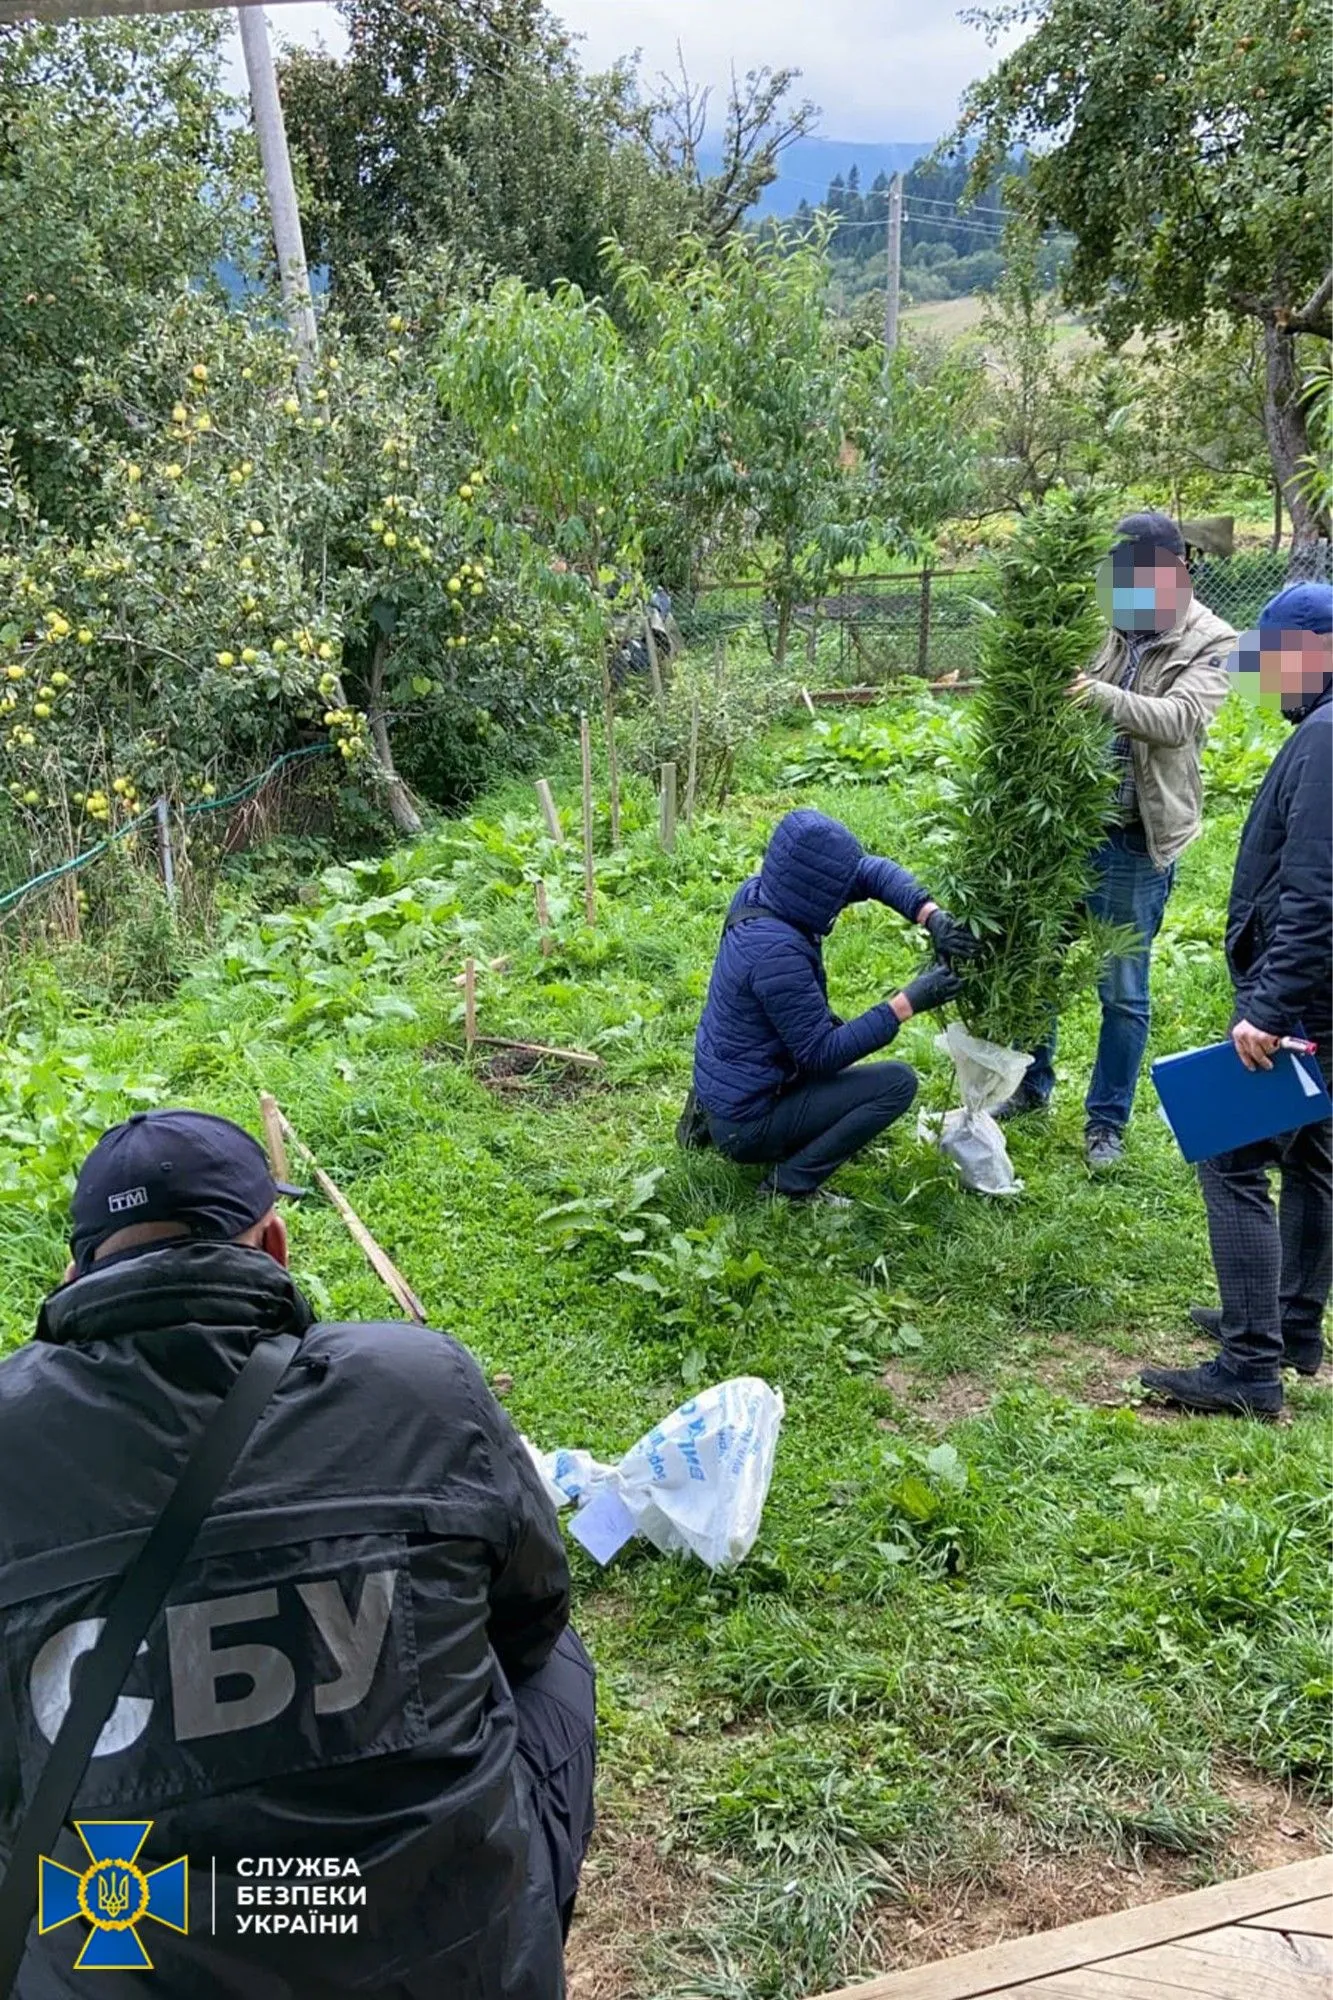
column 604, row 1526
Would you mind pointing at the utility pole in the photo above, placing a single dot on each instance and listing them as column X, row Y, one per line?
column 272, row 135
column 895, row 247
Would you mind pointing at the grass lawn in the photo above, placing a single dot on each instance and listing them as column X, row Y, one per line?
column 1077, row 1661
column 951, row 319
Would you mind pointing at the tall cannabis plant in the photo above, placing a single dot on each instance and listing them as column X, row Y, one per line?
column 1035, row 793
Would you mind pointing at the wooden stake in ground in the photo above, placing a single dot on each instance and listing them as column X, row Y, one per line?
column 380, row 1262
column 544, row 920
column 549, row 813
column 274, row 1144
column 654, row 665
column 693, row 776
column 589, row 870
column 667, row 825
column 470, row 1003
column 541, row 1049
column 612, row 767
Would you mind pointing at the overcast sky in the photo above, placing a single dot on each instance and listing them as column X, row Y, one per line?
column 878, row 69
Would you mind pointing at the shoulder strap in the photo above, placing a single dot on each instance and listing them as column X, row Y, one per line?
column 747, row 914
column 142, row 1591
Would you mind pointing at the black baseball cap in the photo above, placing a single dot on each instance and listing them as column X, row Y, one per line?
column 1150, row 531
column 172, row 1166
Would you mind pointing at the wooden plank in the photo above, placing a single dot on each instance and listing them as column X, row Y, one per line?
column 1179, row 1968
column 1264, row 1947
column 1314, row 1918
column 1166, row 1973
column 999, row 1967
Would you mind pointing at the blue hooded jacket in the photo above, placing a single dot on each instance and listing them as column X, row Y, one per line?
column 766, row 1021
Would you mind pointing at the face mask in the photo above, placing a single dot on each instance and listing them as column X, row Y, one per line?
column 1128, row 602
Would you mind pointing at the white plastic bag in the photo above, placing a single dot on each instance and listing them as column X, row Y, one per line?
column 696, row 1482
column 987, row 1074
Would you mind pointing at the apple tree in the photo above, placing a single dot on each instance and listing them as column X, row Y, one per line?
column 1185, row 147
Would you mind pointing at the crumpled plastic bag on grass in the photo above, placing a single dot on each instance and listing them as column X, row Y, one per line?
column 970, row 1137
column 696, row 1482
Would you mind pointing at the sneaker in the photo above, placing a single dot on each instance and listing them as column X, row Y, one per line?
column 1023, row 1101
column 1215, row 1389
column 1103, row 1147
column 1305, row 1356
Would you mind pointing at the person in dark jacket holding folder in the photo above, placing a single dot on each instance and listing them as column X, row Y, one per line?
column 777, row 1075
column 1274, row 1268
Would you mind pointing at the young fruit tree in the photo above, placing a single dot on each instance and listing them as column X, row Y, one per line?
column 1035, row 793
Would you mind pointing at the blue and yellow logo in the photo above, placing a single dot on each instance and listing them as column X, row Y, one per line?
column 113, row 1894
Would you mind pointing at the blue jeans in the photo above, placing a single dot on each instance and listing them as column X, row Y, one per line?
column 1129, row 889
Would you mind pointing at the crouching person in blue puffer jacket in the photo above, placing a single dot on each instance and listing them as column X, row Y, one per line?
column 773, row 1066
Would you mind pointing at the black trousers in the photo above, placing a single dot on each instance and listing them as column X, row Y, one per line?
column 1274, row 1267
column 557, row 1741
column 814, row 1128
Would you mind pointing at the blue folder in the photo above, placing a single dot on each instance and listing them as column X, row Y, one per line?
column 1214, row 1104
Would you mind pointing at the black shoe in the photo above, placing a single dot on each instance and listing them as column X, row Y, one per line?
column 1020, row 1104
column 1305, row 1356
column 1213, row 1389
column 1103, row 1148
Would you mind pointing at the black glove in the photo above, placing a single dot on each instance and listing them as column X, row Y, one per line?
column 932, row 988
column 950, row 938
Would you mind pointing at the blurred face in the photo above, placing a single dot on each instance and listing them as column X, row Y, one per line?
column 1142, row 588
column 1282, row 670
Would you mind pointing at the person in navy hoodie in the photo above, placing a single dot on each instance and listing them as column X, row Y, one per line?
column 1275, row 1267
column 777, row 1076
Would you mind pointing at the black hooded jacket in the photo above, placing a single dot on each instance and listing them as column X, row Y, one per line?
column 330, row 1680
column 1279, row 939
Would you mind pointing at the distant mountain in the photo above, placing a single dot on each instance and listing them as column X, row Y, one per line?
column 808, row 166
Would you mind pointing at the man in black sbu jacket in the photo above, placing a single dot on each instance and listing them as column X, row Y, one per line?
column 1274, row 1270
column 363, row 1698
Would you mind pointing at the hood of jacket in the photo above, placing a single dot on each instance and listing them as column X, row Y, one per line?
column 809, row 870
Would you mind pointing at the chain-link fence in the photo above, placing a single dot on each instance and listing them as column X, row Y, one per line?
column 879, row 626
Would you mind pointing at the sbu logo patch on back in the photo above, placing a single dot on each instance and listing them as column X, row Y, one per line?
column 307, row 1657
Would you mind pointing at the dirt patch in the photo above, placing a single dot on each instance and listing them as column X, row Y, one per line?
column 629, row 1895
column 1019, row 1898
column 1086, row 1373
column 1023, row 1895
column 1276, row 1825
column 517, row 1073
column 939, row 1399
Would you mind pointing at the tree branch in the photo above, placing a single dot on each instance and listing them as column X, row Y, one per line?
column 1313, row 316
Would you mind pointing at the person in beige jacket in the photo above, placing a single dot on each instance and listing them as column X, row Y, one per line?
column 1159, row 678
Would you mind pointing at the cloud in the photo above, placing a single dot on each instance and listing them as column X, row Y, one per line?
column 878, row 69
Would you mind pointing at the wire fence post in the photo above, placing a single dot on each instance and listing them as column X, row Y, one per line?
column 923, row 625
column 163, row 812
